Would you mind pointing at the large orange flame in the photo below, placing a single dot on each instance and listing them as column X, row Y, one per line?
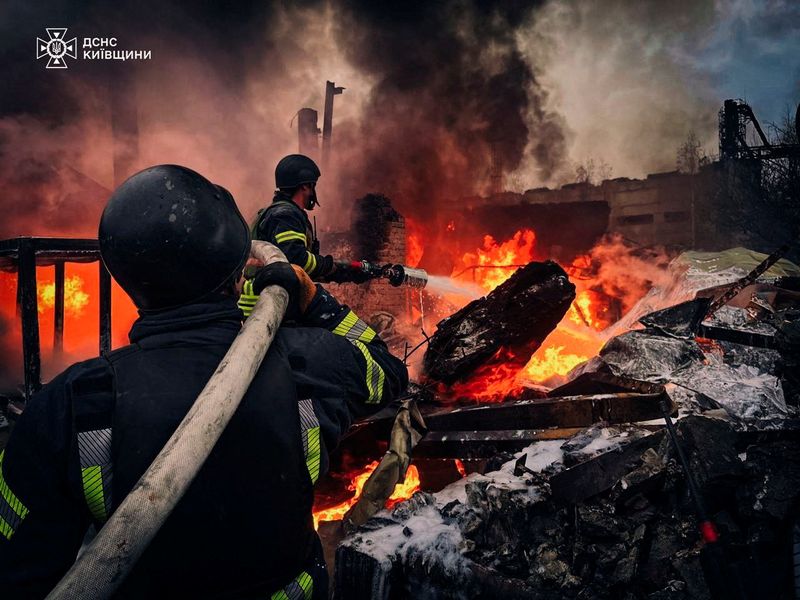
column 494, row 263
column 401, row 492
column 574, row 341
column 81, row 322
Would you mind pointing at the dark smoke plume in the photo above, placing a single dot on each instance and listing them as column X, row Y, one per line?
column 450, row 103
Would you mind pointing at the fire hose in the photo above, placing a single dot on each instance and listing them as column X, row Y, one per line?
column 105, row 563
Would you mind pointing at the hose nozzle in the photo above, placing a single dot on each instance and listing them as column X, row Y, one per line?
column 409, row 276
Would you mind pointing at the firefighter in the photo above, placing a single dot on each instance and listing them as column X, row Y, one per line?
column 285, row 222
column 176, row 243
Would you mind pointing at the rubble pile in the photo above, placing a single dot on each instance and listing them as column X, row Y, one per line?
column 607, row 512
column 513, row 536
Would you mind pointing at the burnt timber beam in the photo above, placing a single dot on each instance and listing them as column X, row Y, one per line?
column 29, row 309
column 49, row 251
column 598, row 474
column 483, row 444
column 58, row 319
column 737, row 336
column 566, row 412
column 604, row 383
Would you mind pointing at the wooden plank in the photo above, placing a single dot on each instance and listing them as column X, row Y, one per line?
column 483, row 444
column 58, row 320
column 566, row 412
column 29, row 309
column 600, row 473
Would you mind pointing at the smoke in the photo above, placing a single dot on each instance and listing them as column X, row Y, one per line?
column 218, row 95
column 627, row 273
column 453, row 100
column 442, row 99
column 624, row 77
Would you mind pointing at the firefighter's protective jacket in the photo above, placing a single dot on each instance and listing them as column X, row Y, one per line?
column 244, row 527
column 286, row 225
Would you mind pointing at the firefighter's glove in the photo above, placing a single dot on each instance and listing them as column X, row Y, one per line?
column 292, row 278
column 346, row 273
column 359, row 276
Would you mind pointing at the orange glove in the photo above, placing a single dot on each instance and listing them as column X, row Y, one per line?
column 307, row 289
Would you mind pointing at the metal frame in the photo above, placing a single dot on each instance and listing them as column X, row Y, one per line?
column 22, row 255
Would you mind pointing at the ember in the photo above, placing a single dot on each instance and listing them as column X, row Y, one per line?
column 494, row 381
column 402, row 492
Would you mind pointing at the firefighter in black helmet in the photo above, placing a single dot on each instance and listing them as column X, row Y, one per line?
column 285, row 222
column 176, row 243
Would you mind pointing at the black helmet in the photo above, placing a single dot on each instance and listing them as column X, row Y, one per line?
column 295, row 170
column 171, row 237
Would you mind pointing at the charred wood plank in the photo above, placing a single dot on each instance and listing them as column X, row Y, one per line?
column 737, row 336
column 601, row 382
column 29, row 310
column 599, row 474
column 516, row 317
column 567, row 412
column 483, row 444
column 58, row 319
column 359, row 574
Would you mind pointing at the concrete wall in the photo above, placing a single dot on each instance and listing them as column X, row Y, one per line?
column 655, row 210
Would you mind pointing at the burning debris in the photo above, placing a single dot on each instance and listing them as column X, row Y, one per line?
column 507, row 326
column 603, row 509
column 356, row 486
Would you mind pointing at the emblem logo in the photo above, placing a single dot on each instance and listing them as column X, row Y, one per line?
column 57, row 48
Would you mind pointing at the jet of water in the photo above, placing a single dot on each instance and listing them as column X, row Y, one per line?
column 440, row 284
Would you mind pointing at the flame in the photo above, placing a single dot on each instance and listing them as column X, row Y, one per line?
column 81, row 323
column 494, row 263
column 460, row 466
column 75, row 298
column 414, row 245
column 573, row 341
column 493, row 381
column 552, row 361
column 402, row 491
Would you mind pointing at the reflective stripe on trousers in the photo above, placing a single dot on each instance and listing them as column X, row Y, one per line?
column 301, row 588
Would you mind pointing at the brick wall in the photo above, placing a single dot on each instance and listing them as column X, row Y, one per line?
column 376, row 296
